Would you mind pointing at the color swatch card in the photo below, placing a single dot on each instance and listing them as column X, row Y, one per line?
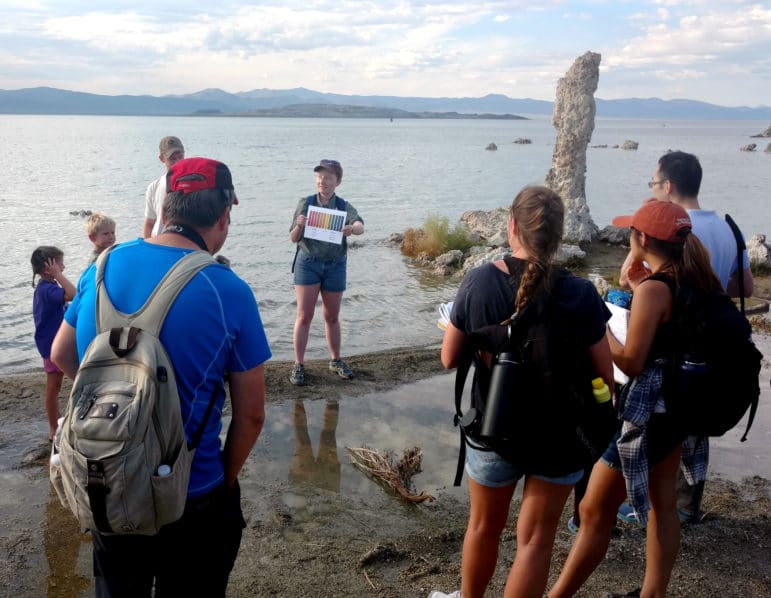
column 325, row 225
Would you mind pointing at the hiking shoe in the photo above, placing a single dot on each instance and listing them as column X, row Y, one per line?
column 632, row 594
column 435, row 594
column 297, row 377
column 338, row 367
column 626, row 513
column 687, row 517
column 572, row 527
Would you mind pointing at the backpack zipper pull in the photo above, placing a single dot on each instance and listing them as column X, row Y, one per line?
column 87, row 406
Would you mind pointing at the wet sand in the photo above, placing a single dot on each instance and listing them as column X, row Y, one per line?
column 318, row 526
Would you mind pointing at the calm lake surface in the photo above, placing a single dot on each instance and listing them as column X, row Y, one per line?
column 395, row 174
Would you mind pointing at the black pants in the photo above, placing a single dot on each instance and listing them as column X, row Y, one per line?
column 190, row 557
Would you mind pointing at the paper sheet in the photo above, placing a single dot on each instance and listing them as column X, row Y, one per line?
column 444, row 315
column 619, row 319
column 326, row 225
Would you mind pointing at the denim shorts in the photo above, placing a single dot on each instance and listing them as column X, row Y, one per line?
column 489, row 469
column 330, row 274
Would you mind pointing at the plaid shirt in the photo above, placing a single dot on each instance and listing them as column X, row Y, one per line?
column 639, row 399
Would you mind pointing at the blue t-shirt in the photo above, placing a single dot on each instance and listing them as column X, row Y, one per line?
column 47, row 311
column 213, row 327
column 715, row 234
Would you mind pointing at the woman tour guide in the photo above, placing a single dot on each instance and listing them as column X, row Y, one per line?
column 320, row 267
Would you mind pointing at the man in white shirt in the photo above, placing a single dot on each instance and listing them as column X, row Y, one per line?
column 677, row 178
column 171, row 152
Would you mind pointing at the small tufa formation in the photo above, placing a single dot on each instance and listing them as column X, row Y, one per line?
column 629, row 145
column 522, row 141
column 759, row 252
column 491, row 147
column 573, row 118
column 750, row 147
column 766, row 133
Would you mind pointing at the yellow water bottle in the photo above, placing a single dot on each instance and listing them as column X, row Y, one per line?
column 600, row 390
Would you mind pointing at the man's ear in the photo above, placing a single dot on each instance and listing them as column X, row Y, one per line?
column 224, row 220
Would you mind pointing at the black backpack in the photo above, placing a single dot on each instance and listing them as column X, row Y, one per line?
column 550, row 423
column 713, row 374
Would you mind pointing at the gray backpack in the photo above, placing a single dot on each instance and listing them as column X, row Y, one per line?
column 121, row 463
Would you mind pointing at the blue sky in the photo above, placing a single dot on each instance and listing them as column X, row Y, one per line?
column 709, row 50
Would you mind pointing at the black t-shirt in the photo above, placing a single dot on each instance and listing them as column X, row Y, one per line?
column 541, row 436
column 486, row 296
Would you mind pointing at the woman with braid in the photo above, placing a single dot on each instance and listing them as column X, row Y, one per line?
column 488, row 295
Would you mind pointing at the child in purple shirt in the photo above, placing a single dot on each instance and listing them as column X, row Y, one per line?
column 51, row 293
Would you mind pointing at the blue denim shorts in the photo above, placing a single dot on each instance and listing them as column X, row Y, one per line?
column 330, row 274
column 489, row 469
column 611, row 457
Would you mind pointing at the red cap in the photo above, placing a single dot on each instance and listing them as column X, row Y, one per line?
column 662, row 220
column 198, row 174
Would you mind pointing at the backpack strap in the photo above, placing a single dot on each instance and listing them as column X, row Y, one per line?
column 460, row 381
column 741, row 246
column 150, row 317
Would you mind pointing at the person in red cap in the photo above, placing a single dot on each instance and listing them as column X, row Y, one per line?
column 320, row 267
column 212, row 330
column 677, row 178
column 643, row 459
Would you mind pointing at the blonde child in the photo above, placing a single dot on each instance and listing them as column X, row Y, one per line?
column 51, row 293
column 101, row 232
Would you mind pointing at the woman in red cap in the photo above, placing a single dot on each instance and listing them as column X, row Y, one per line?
column 643, row 459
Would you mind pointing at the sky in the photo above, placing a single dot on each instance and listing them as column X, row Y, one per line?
column 716, row 51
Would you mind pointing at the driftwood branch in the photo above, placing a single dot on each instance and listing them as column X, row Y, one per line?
column 397, row 475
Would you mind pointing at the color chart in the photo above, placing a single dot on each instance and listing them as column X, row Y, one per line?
column 325, row 225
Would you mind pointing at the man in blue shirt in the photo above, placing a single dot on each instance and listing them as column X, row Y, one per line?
column 213, row 330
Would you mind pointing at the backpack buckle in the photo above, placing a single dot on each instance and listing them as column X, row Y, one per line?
column 96, row 476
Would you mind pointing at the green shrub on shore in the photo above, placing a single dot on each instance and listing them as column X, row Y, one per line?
column 436, row 238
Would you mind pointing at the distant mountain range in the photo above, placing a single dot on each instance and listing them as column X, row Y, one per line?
column 301, row 102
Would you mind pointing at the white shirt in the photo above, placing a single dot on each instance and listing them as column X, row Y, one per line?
column 154, row 196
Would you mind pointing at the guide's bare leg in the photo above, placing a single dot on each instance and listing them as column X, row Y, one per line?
column 330, row 308
column 306, row 307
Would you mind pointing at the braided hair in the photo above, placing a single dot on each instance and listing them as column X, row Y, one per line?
column 539, row 214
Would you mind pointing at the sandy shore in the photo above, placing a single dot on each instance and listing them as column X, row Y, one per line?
column 356, row 539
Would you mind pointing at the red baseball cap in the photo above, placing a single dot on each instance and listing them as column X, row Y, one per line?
column 199, row 174
column 662, row 220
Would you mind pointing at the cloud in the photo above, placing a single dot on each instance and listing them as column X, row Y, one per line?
column 396, row 47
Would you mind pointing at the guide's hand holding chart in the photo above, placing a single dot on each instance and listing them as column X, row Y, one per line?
column 326, row 225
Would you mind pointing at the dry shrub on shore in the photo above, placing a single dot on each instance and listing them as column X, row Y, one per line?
column 435, row 238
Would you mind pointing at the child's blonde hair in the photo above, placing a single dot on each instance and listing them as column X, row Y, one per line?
column 97, row 221
column 40, row 257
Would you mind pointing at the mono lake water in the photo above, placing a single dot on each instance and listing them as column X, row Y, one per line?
column 396, row 174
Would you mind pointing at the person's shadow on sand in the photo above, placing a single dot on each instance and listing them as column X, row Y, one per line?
column 323, row 471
